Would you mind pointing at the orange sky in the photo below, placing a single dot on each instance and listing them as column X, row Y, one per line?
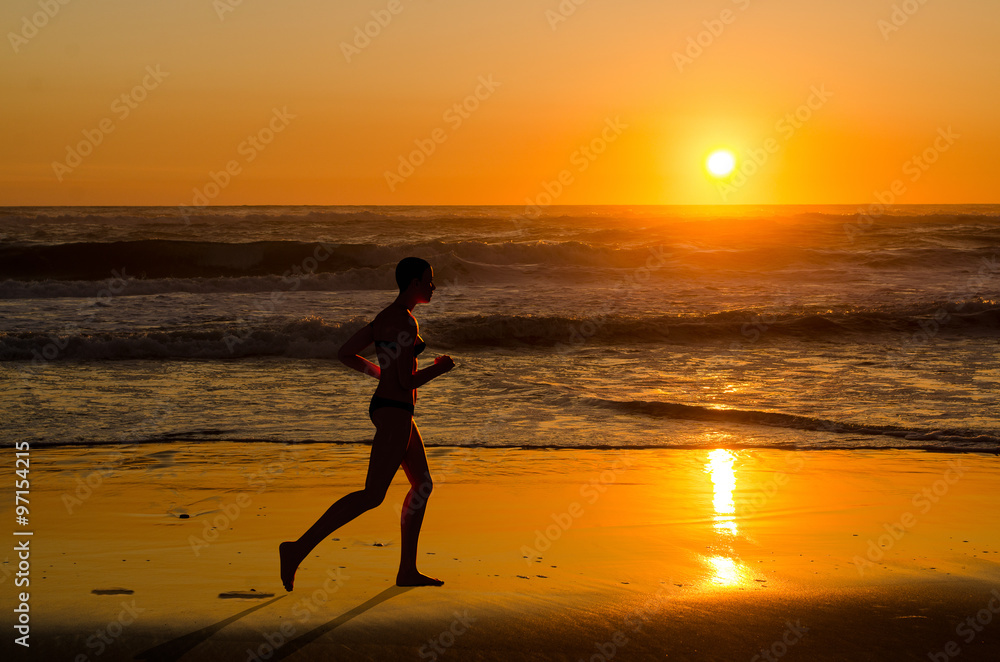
column 622, row 78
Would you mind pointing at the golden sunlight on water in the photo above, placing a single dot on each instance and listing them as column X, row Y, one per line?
column 726, row 571
column 721, row 467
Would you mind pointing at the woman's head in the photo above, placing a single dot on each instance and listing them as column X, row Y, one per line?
column 410, row 269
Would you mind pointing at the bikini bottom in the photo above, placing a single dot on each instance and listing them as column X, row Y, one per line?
column 379, row 401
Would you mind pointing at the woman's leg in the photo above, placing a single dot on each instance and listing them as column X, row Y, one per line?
column 415, row 467
column 388, row 448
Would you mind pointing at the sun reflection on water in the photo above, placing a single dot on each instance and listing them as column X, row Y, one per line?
column 721, row 467
column 726, row 571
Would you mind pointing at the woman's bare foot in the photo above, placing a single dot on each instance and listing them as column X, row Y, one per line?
column 414, row 578
column 290, row 560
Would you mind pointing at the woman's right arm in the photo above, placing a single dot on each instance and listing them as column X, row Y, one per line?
column 410, row 379
column 442, row 364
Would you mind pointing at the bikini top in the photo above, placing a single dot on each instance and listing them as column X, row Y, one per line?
column 418, row 346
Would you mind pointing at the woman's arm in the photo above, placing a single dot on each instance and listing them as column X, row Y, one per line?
column 442, row 364
column 410, row 379
column 350, row 350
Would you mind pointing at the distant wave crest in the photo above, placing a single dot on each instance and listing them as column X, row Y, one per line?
column 486, row 262
column 170, row 259
column 955, row 439
column 314, row 337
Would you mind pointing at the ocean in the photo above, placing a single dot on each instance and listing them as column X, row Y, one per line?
column 807, row 327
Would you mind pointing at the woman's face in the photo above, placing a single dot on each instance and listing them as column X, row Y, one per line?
column 426, row 285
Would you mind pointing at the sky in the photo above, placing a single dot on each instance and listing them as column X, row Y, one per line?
column 402, row 102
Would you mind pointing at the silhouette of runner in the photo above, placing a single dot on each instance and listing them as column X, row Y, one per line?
column 397, row 440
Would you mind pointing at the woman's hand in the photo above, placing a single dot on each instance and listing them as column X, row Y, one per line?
column 445, row 362
column 442, row 364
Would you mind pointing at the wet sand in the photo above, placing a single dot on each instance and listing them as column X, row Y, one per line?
column 546, row 555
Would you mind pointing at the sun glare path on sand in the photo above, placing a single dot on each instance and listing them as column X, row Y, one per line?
column 721, row 467
column 726, row 571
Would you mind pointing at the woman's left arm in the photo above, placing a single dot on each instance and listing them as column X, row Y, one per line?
column 349, row 353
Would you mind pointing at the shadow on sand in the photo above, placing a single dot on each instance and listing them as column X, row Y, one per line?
column 307, row 638
column 176, row 648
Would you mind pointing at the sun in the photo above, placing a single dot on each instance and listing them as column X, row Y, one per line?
column 720, row 162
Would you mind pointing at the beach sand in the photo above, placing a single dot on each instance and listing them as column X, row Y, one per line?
column 546, row 555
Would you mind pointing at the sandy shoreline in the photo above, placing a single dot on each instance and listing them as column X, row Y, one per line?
column 548, row 555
